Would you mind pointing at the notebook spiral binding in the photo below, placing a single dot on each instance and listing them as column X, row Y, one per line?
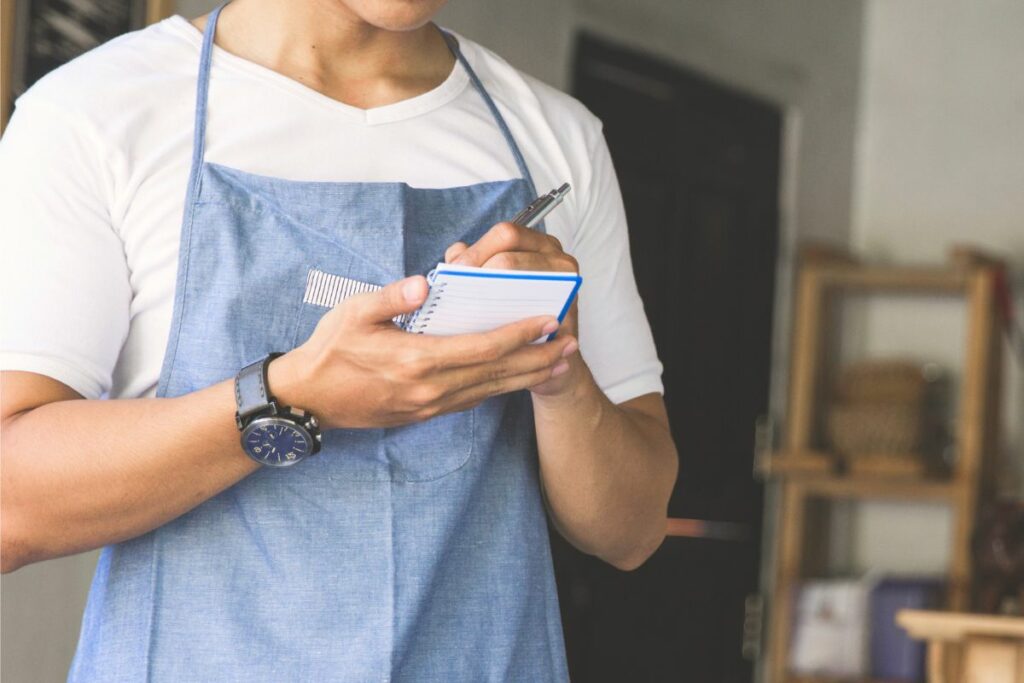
column 418, row 319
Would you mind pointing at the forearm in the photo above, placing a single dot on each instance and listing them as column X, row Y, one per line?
column 80, row 474
column 607, row 471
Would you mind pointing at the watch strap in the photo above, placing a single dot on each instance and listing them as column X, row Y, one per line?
column 251, row 394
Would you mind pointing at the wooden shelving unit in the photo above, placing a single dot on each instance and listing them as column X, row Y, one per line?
column 805, row 473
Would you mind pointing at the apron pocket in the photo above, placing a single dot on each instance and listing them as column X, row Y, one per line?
column 423, row 451
column 324, row 291
column 429, row 450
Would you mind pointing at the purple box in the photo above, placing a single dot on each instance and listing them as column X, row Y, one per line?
column 895, row 655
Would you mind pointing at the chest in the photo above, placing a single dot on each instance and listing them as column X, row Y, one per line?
column 460, row 149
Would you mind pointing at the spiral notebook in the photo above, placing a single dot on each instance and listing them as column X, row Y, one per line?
column 465, row 300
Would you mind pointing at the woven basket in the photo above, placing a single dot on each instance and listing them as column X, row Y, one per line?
column 882, row 381
column 893, row 429
column 879, row 408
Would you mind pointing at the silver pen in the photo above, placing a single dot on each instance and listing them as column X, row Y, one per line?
column 540, row 207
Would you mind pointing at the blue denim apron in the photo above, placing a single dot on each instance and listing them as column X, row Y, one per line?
column 417, row 553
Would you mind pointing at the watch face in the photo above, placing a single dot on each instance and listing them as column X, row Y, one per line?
column 276, row 442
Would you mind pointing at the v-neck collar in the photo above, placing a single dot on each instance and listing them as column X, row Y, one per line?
column 448, row 90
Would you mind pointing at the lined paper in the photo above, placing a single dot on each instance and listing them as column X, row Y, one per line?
column 466, row 300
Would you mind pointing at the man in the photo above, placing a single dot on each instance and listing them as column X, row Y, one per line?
column 158, row 252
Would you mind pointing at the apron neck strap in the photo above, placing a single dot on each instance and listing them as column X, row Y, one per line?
column 203, row 86
column 203, row 90
column 453, row 45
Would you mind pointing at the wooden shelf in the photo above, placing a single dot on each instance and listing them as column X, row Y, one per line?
column 860, row 487
column 875, row 476
column 950, row 280
column 803, row 473
column 798, row 463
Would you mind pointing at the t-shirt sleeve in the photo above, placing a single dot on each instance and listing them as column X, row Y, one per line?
column 64, row 277
column 615, row 336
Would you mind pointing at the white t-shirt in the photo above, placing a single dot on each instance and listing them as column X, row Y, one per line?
column 95, row 160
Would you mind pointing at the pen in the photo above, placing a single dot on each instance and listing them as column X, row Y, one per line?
column 540, row 207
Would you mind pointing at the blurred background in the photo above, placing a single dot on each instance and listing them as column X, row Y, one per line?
column 827, row 226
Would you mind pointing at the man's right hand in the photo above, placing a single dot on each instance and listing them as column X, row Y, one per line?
column 359, row 370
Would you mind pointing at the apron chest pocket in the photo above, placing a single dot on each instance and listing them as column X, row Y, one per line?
column 422, row 451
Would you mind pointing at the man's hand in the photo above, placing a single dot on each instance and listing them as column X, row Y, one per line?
column 606, row 470
column 359, row 370
column 513, row 247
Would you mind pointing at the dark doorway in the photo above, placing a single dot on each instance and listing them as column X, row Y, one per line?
column 698, row 164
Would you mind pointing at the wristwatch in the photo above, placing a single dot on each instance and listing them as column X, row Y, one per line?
column 272, row 434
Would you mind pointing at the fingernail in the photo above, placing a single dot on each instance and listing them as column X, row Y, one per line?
column 560, row 369
column 411, row 291
column 570, row 348
column 550, row 327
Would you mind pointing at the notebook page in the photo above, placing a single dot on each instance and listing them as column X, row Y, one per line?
column 465, row 300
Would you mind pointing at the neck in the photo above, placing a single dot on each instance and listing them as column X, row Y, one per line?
column 325, row 46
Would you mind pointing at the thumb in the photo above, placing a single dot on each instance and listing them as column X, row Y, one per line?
column 401, row 296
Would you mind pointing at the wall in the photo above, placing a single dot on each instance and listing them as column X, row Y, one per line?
column 802, row 55
column 940, row 158
column 41, row 611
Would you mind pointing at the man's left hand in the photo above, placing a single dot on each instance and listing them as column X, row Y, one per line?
column 512, row 247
